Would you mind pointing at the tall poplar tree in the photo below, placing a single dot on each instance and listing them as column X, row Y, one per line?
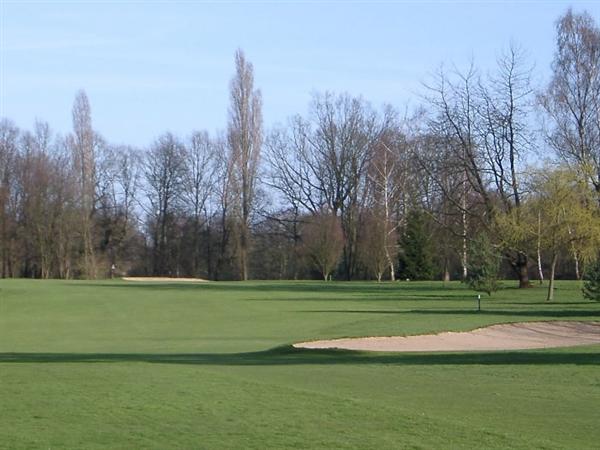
column 244, row 134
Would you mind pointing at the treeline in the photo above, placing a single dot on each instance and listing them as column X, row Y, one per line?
column 345, row 191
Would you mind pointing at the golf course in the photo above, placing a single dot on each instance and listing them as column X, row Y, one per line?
column 118, row 364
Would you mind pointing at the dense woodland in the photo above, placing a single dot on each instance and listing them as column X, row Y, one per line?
column 345, row 191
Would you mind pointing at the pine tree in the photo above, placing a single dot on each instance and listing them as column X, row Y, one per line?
column 416, row 256
column 484, row 265
column 591, row 285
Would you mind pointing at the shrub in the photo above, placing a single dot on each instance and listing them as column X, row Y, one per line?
column 591, row 277
column 484, row 265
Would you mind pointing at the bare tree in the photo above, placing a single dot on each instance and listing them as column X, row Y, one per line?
column 118, row 173
column 572, row 98
column 8, row 153
column 244, row 132
column 455, row 126
column 83, row 148
column 482, row 128
column 321, row 162
column 378, row 245
column 164, row 172
column 292, row 184
column 34, row 174
column 323, row 241
column 295, row 173
column 385, row 181
column 225, row 203
column 345, row 129
column 63, row 211
column 200, row 176
column 505, row 110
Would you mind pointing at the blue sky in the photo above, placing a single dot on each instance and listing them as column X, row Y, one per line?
column 153, row 66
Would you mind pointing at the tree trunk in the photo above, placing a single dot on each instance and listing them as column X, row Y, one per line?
column 209, row 255
column 390, row 263
column 464, row 226
column 521, row 267
column 539, row 251
column 574, row 250
column 446, row 277
column 88, row 250
column 244, row 253
column 550, row 296
column 223, row 243
column 539, row 267
column 576, row 258
column 464, row 247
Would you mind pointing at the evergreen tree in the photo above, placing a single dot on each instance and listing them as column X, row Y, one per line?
column 591, row 285
column 416, row 255
column 484, row 265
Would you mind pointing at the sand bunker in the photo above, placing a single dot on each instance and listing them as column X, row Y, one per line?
column 512, row 336
column 171, row 279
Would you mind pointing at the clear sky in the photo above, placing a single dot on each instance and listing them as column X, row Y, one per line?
column 155, row 66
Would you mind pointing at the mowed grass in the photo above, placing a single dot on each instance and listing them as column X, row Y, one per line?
column 170, row 365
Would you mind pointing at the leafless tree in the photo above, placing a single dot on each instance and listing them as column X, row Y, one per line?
column 572, row 98
column 164, row 173
column 33, row 182
column 481, row 127
column 386, row 179
column 321, row 162
column 222, row 216
column 505, row 109
column 119, row 178
column 447, row 199
column 200, row 176
column 244, row 133
column 8, row 153
column 83, row 143
column 454, row 123
column 323, row 241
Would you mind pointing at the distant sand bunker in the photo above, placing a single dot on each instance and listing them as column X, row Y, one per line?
column 512, row 336
column 171, row 279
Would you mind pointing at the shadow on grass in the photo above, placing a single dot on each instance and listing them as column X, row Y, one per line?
column 290, row 356
column 552, row 303
column 372, row 297
column 303, row 291
column 293, row 286
column 485, row 312
column 516, row 312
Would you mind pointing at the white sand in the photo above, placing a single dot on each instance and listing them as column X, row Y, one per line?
column 172, row 279
column 513, row 336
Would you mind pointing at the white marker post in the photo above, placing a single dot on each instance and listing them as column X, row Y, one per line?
column 478, row 302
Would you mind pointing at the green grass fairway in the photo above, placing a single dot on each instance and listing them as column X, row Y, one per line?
column 114, row 364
